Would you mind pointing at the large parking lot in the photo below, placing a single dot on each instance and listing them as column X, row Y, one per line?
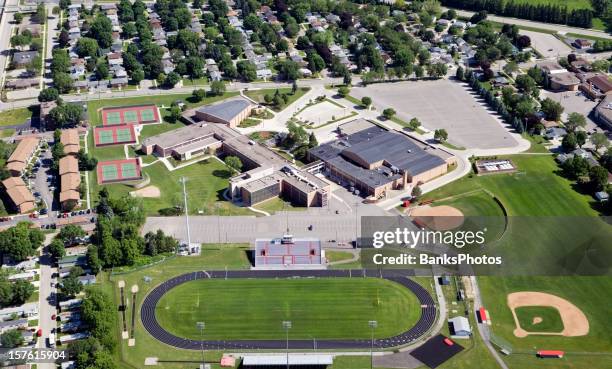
column 547, row 45
column 441, row 104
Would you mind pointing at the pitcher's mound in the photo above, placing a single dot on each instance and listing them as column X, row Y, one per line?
column 439, row 218
column 149, row 191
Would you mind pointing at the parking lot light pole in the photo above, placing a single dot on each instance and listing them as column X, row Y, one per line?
column 287, row 326
column 373, row 324
column 201, row 327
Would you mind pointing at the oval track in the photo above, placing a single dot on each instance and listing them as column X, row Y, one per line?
column 425, row 322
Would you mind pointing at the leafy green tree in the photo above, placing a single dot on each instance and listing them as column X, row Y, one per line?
column 102, row 30
column 246, row 70
column 389, row 113
column 414, row 124
column 71, row 233
column 48, row 94
column 18, row 17
column 11, row 339
column 366, row 101
column 234, row 163
column 87, row 47
column 22, row 291
column 343, row 91
column 581, row 138
column 198, row 95
column 20, row 241
column 440, row 135
column 102, row 71
column 599, row 140
column 57, row 248
column 569, row 142
column 217, row 88
column 551, row 109
column 62, row 82
column 598, row 178
column 460, row 73
column 575, row 121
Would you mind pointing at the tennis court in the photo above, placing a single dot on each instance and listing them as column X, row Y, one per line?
column 114, row 171
column 138, row 114
column 114, row 135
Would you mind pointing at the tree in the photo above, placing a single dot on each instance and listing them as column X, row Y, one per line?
column 87, row 47
column 138, row 75
column 598, row 178
column 23, row 290
column 551, row 109
column 93, row 259
column 246, row 70
column 70, row 234
column 389, row 113
column 234, row 163
column 41, row 13
column 599, row 140
column 414, row 124
column 569, row 142
column 66, row 115
column 460, row 73
column 312, row 141
column 343, row 91
column 57, row 248
column 87, row 161
column 62, row 82
column 581, row 138
column 20, row 241
column 440, row 135
column 102, row 70
column 11, row 339
column 102, row 30
column 198, row 95
column 526, row 84
column 48, row 94
column 511, row 67
column 347, row 79
column 575, row 121
column 64, row 38
column 366, row 101
column 175, row 114
column 171, row 80
column 18, row 17
column 217, row 88
column 416, row 192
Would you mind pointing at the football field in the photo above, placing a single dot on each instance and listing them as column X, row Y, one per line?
column 321, row 308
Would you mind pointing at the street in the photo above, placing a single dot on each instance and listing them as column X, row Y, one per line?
column 46, row 299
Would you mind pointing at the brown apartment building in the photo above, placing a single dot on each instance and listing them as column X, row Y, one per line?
column 70, row 182
column 19, row 195
column 19, row 159
column 70, row 139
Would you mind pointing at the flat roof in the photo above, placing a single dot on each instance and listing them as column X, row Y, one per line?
column 196, row 145
column 294, row 359
column 354, row 126
column 226, row 110
column 261, row 183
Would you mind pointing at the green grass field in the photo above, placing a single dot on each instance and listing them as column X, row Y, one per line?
column 206, row 182
column 94, row 106
column 326, row 308
column 539, row 192
column 570, row 4
column 15, row 116
column 275, row 204
column 551, row 319
column 258, row 95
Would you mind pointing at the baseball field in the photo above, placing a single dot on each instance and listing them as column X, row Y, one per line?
column 537, row 190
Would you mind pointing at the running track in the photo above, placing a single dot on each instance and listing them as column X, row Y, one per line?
column 426, row 321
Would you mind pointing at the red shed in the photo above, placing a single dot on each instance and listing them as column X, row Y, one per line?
column 550, row 354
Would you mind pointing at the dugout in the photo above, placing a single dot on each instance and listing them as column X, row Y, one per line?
column 317, row 361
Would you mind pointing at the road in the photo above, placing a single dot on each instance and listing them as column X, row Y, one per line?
column 46, row 299
column 547, row 26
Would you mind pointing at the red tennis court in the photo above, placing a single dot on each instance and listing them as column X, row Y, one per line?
column 137, row 114
column 118, row 171
column 114, row 135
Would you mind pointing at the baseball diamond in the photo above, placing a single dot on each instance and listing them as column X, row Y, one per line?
column 424, row 323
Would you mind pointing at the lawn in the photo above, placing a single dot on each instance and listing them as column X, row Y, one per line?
column 258, row 95
column 15, row 116
column 254, row 308
column 569, row 4
column 206, row 182
column 537, row 191
column 551, row 319
column 166, row 100
column 275, row 204
column 334, row 256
